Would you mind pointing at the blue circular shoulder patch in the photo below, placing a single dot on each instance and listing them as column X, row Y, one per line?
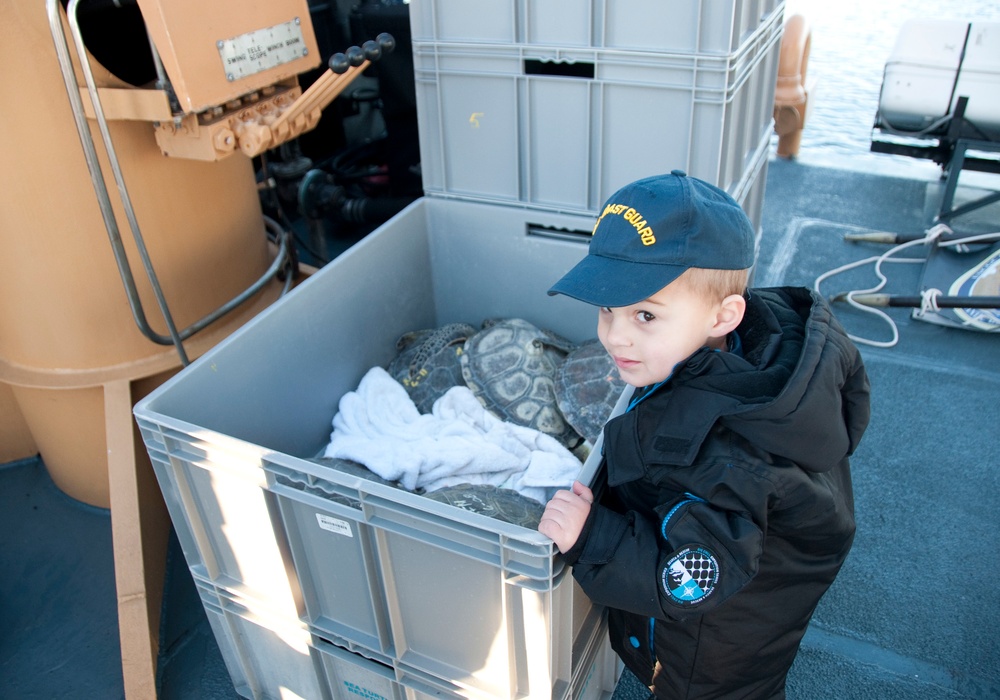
column 689, row 577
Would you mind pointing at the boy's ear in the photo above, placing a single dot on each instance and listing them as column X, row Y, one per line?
column 729, row 314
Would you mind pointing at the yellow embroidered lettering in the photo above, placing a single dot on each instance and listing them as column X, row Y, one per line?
column 633, row 217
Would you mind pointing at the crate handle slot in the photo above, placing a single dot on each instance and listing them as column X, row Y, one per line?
column 559, row 234
column 561, row 69
column 305, row 482
column 463, row 538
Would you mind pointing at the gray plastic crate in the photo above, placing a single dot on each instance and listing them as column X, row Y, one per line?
column 269, row 655
column 562, row 129
column 693, row 26
column 267, row 394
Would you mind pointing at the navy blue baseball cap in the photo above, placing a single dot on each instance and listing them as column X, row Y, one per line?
column 651, row 231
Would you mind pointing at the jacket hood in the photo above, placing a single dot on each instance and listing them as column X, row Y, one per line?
column 799, row 391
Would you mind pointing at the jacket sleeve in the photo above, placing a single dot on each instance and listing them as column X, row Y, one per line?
column 690, row 560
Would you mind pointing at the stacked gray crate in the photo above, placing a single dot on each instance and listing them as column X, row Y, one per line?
column 519, row 104
column 324, row 584
column 562, row 129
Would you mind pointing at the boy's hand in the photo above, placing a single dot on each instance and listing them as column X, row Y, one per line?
column 565, row 515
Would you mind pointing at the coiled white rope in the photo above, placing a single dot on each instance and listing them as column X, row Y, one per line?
column 928, row 297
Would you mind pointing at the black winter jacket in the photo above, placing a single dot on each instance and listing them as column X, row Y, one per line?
column 729, row 508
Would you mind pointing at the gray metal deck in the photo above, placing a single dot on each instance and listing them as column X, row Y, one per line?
column 915, row 613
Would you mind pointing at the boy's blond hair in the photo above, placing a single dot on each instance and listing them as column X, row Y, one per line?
column 715, row 284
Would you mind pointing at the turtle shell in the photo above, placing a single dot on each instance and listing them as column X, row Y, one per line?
column 511, row 367
column 427, row 363
column 587, row 387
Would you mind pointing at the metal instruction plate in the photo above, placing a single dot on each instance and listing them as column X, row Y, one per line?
column 262, row 49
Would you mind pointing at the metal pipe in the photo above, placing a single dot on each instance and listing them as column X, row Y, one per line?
column 126, row 201
column 94, row 167
column 96, row 174
column 917, row 301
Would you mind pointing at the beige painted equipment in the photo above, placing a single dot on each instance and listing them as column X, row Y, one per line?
column 86, row 151
column 16, row 442
column 791, row 94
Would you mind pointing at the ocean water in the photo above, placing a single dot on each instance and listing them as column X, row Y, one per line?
column 851, row 41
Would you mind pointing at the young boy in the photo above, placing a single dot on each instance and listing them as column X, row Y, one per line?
column 728, row 510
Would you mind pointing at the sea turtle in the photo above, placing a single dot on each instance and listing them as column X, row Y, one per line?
column 427, row 364
column 511, row 366
column 587, row 387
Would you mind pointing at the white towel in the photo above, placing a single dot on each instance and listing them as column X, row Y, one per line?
column 459, row 442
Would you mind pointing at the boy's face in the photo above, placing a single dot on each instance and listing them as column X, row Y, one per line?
column 646, row 340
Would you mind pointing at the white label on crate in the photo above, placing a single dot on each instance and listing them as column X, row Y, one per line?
column 341, row 527
column 262, row 49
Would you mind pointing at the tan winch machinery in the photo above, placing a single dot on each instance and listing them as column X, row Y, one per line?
column 133, row 234
column 235, row 93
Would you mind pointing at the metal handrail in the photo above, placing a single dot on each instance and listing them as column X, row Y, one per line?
column 175, row 337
